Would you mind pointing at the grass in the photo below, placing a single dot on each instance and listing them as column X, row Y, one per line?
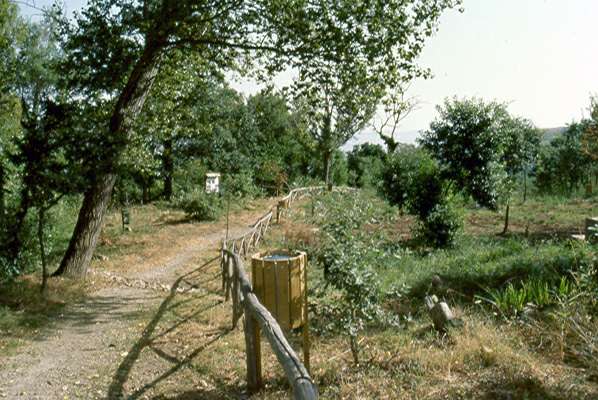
column 551, row 356
column 25, row 312
column 157, row 233
column 488, row 358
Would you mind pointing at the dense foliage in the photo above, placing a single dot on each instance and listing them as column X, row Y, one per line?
column 415, row 182
column 349, row 257
column 365, row 163
column 562, row 164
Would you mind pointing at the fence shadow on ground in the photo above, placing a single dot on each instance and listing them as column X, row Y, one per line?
column 150, row 334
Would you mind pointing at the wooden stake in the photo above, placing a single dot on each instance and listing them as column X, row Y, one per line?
column 254, row 353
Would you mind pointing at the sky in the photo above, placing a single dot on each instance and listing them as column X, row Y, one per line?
column 540, row 56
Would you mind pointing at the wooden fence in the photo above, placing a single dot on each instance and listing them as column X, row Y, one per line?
column 250, row 239
column 237, row 287
column 257, row 317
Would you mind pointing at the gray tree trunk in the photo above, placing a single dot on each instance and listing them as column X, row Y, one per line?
column 97, row 198
column 506, row 226
column 327, row 168
column 167, row 168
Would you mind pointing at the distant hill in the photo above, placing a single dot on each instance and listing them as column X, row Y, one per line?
column 410, row 137
column 550, row 133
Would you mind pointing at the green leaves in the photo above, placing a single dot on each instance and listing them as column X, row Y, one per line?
column 413, row 181
column 480, row 146
column 563, row 163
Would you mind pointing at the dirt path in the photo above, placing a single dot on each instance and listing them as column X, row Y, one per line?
column 139, row 336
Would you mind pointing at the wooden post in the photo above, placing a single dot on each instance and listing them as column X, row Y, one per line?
column 229, row 274
column 222, row 263
column 235, row 296
column 305, row 328
column 254, row 353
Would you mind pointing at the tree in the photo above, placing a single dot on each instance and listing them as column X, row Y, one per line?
column 33, row 148
column 482, row 149
column 282, row 145
column 590, row 136
column 413, row 181
column 10, row 129
column 562, row 164
column 341, row 97
column 396, row 106
column 116, row 46
column 171, row 116
column 467, row 138
column 521, row 143
column 365, row 163
column 337, row 104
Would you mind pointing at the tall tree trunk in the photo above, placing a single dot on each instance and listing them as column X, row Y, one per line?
column 88, row 228
column 16, row 228
column 145, row 192
column 506, row 227
column 525, row 185
column 327, row 167
column 167, row 168
column 97, row 197
column 391, row 144
column 42, row 250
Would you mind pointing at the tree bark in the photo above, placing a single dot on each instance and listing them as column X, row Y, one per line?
column 391, row 144
column 42, row 250
column 87, row 230
column 97, row 197
column 506, row 227
column 16, row 229
column 327, row 167
column 525, row 185
column 145, row 192
column 167, row 168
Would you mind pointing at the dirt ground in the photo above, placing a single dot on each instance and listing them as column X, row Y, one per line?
column 147, row 328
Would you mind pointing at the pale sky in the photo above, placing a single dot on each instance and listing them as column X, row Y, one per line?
column 541, row 56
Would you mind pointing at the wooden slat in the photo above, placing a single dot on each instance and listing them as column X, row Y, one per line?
column 229, row 275
column 257, row 316
column 253, row 350
column 297, row 375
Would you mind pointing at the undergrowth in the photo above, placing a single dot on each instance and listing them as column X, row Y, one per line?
column 528, row 301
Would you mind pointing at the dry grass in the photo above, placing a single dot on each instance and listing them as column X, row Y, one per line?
column 486, row 359
column 184, row 348
column 24, row 311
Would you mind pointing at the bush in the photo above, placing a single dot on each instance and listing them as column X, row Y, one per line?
column 348, row 254
column 201, row 206
column 414, row 181
column 240, row 185
column 190, row 177
column 440, row 227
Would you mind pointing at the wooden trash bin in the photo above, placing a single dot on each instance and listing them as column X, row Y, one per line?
column 279, row 280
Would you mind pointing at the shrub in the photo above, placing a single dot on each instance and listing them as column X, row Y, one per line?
column 349, row 256
column 414, row 181
column 440, row 227
column 240, row 184
column 190, row 177
column 201, row 206
column 396, row 175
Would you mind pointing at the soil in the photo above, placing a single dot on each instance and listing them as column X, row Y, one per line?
column 141, row 328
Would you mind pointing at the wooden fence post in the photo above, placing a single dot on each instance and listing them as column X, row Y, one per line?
column 235, row 296
column 254, row 352
column 223, row 258
column 229, row 279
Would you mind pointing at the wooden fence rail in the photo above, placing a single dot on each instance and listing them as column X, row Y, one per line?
column 237, row 287
column 257, row 318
